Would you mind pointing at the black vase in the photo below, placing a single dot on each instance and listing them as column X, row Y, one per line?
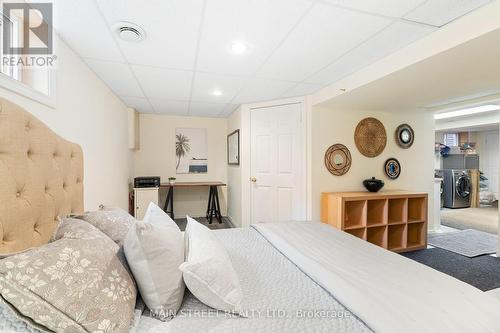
column 373, row 185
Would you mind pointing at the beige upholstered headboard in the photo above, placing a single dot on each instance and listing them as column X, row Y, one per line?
column 41, row 178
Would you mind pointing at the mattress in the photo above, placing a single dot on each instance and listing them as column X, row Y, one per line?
column 310, row 277
column 278, row 297
column 387, row 291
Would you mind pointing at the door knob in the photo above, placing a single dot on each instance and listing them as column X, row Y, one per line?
column 253, row 180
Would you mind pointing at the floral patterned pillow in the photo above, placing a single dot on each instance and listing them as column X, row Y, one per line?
column 74, row 284
column 114, row 222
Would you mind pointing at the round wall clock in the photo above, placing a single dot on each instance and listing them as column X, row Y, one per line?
column 392, row 168
column 338, row 159
column 405, row 136
column 370, row 137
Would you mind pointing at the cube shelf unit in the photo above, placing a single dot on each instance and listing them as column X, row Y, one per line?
column 394, row 220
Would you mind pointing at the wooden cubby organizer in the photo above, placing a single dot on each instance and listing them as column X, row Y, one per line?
column 394, row 220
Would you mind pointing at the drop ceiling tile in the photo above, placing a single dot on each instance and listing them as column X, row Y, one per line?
column 117, row 76
column 394, row 8
column 206, row 109
column 259, row 90
column 71, row 21
column 164, row 83
column 171, row 30
column 205, row 84
column 262, row 24
column 170, row 107
column 439, row 13
column 140, row 104
column 230, row 108
column 302, row 89
column 324, row 35
column 394, row 37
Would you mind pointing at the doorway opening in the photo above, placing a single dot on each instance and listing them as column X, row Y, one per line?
column 467, row 164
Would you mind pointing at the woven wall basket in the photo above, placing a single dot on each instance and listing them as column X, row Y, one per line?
column 338, row 159
column 370, row 137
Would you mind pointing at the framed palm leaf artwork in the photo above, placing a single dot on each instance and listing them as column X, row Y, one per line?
column 191, row 150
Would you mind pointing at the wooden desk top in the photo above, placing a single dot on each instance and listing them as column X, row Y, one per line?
column 192, row 184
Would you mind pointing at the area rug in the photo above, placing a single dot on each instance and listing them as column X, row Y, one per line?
column 469, row 243
column 481, row 272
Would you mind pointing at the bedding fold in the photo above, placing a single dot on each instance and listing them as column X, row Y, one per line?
column 387, row 291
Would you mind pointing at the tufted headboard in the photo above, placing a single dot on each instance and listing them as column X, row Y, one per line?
column 41, row 178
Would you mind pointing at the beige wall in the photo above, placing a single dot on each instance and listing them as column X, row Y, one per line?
column 337, row 126
column 156, row 157
column 88, row 113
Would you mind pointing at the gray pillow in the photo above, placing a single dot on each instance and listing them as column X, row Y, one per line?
column 154, row 249
column 112, row 221
column 74, row 284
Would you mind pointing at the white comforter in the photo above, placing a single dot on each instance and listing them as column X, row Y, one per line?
column 389, row 292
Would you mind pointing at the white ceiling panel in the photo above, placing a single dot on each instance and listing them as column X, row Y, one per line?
column 230, row 108
column 164, row 83
column 394, row 8
column 441, row 12
column 166, row 106
column 259, row 90
column 171, row 30
column 138, row 103
column 262, row 24
column 72, row 18
column 302, row 89
column 392, row 38
column 295, row 47
column 323, row 36
column 117, row 76
column 205, row 84
column 206, row 109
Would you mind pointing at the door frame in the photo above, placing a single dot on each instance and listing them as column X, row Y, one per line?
column 485, row 120
column 498, row 238
column 245, row 153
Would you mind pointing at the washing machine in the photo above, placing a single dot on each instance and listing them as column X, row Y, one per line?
column 457, row 188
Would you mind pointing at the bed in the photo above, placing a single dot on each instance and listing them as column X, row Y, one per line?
column 295, row 276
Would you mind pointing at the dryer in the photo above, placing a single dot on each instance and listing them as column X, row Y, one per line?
column 457, row 188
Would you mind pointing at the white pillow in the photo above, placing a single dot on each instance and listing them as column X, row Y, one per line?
column 154, row 248
column 208, row 272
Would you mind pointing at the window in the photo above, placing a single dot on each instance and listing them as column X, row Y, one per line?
column 34, row 82
column 450, row 139
column 13, row 71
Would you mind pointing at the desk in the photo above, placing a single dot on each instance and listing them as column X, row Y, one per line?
column 213, row 207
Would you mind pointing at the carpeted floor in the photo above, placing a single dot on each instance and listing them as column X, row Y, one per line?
column 481, row 272
column 483, row 219
column 215, row 223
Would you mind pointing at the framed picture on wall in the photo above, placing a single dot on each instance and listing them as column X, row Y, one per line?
column 233, row 148
column 191, row 150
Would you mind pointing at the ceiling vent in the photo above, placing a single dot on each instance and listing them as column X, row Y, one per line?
column 129, row 32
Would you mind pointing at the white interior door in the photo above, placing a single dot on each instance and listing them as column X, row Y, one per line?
column 277, row 164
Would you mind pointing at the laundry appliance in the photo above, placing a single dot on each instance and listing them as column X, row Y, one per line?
column 457, row 188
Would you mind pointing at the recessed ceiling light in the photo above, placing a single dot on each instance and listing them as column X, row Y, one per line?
column 129, row 32
column 467, row 112
column 217, row 92
column 239, row 47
